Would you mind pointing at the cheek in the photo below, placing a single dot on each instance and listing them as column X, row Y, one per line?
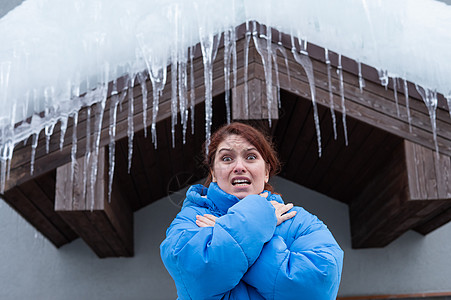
column 220, row 171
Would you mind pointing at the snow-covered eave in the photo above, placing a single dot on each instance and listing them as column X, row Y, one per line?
column 349, row 66
column 374, row 105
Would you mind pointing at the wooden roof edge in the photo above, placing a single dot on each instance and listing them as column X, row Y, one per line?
column 317, row 52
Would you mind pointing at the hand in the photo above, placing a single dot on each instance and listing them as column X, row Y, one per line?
column 264, row 194
column 281, row 210
column 206, row 220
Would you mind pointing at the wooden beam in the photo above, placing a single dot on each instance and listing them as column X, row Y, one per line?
column 409, row 192
column 429, row 173
column 34, row 202
column 106, row 226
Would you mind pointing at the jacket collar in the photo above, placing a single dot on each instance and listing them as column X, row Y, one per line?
column 215, row 198
column 221, row 199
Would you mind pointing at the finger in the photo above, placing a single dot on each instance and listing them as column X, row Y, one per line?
column 202, row 224
column 283, row 209
column 276, row 204
column 287, row 216
column 210, row 217
column 206, row 220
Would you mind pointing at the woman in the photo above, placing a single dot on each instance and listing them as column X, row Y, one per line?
column 237, row 239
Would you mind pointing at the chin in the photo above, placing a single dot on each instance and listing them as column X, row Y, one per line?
column 241, row 195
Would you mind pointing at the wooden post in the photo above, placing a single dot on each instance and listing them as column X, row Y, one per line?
column 107, row 227
column 411, row 191
column 429, row 173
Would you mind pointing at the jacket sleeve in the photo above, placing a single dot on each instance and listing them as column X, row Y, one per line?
column 304, row 264
column 207, row 262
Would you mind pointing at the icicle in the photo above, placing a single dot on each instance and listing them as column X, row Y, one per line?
column 430, row 99
column 63, row 130
column 173, row 99
column 48, row 130
column 130, row 128
column 183, row 94
column 227, row 54
column 100, row 108
column 264, row 49
column 34, row 145
column 406, row 94
column 268, row 76
column 111, row 146
column 306, row 64
column 395, row 92
column 192, row 94
column 73, row 152
column 448, row 100
column 209, row 46
column 142, row 76
column 282, row 50
column 246, row 68
column 276, row 69
column 361, row 80
column 26, row 106
column 87, row 157
column 174, row 15
column 383, row 77
column 49, row 94
column 331, row 95
column 342, row 94
column 157, row 72
column 6, row 155
column 234, row 61
column 156, row 66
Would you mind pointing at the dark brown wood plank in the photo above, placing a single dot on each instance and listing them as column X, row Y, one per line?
column 22, row 205
column 311, row 152
column 106, row 227
column 81, row 224
column 35, row 194
column 332, row 151
column 122, row 179
column 442, row 165
column 443, row 216
column 293, row 136
column 384, row 197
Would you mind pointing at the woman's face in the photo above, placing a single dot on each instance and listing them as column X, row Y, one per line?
column 239, row 169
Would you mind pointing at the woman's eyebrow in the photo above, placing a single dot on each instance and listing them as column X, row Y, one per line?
column 225, row 149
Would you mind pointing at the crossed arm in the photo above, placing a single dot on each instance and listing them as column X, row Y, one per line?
column 210, row 257
column 280, row 209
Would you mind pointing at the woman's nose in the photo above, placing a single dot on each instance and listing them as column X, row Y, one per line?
column 239, row 167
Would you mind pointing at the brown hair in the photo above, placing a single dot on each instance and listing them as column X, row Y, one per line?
column 253, row 136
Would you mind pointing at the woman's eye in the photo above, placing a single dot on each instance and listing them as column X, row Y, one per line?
column 251, row 156
column 226, row 158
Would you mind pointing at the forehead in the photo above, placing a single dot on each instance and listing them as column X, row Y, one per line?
column 235, row 143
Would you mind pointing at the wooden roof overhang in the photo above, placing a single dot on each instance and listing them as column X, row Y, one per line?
column 389, row 174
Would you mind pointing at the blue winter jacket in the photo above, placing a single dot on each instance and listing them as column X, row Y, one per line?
column 245, row 255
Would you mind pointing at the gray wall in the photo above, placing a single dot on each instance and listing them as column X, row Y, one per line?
column 32, row 268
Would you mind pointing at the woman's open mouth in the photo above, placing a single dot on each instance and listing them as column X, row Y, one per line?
column 241, row 182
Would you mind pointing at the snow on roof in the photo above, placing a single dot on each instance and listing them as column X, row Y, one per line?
column 52, row 51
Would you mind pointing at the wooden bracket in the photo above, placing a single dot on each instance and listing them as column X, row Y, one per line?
column 411, row 191
column 106, row 226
